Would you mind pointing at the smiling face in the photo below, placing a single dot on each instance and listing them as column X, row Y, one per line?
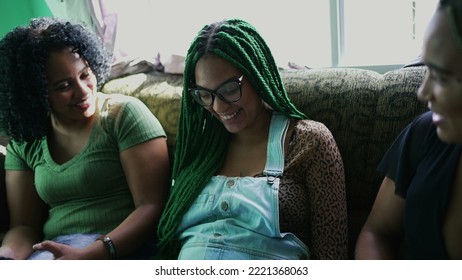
column 442, row 87
column 243, row 115
column 71, row 87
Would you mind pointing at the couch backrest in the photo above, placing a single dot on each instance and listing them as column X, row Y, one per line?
column 160, row 92
column 365, row 111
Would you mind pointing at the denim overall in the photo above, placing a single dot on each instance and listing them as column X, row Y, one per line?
column 238, row 217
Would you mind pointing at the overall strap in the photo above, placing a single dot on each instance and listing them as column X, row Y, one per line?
column 275, row 150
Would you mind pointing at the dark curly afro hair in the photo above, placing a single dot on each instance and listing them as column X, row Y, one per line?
column 24, row 107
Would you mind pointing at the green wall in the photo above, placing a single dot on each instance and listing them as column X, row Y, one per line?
column 19, row 12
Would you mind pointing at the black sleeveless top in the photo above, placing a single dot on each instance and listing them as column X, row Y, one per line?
column 423, row 169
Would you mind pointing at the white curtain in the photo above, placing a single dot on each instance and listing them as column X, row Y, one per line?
column 91, row 12
column 125, row 27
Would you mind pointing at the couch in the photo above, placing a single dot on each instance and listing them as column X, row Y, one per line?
column 363, row 109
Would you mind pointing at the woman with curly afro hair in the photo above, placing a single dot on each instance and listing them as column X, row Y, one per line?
column 86, row 173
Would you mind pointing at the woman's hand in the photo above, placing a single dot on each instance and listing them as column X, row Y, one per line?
column 60, row 251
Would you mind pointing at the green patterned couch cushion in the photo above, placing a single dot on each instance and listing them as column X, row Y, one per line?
column 363, row 109
column 160, row 92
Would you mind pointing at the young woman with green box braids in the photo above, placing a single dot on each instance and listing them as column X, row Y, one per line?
column 253, row 178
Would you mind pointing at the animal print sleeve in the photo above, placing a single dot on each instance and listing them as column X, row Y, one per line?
column 325, row 183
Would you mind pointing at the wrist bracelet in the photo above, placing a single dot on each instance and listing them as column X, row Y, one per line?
column 109, row 246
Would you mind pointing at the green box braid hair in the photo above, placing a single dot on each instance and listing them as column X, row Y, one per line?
column 202, row 140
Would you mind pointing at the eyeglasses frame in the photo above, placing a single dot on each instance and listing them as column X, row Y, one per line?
column 214, row 93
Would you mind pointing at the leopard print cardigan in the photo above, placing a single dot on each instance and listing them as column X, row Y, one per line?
column 312, row 197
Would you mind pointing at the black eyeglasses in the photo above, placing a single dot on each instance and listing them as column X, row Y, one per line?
column 229, row 91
